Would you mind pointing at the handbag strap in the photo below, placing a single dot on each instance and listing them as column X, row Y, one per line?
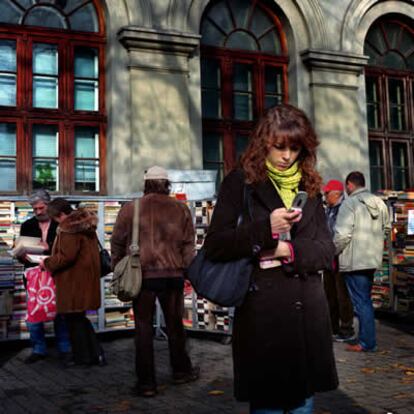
column 134, row 247
column 99, row 243
column 246, row 204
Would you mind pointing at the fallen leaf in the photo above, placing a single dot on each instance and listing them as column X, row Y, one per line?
column 216, row 392
column 401, row 396
column 409, row 372
column 368, row 370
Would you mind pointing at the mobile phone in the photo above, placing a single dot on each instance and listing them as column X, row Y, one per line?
column 299, row 201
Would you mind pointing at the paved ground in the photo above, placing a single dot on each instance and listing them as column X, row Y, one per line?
column 377, row 383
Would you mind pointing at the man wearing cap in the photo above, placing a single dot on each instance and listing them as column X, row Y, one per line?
column 166, row 242
column 340, row 305
column 360, row 228
column 41, row 226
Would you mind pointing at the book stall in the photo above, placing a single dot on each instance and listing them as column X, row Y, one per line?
column 196, row 188
column 393, row 289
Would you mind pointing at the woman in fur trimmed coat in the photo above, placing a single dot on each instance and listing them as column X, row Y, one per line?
column 75, row 266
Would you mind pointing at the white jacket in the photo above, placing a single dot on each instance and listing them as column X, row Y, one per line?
column 361, row 224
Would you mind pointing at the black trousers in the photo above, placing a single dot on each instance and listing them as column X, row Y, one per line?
column 172, row 303
column 85, row 345
column 340, row 305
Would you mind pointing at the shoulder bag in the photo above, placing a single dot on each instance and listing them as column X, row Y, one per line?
column 104, row 259
column 127, row 277
column 223, row 283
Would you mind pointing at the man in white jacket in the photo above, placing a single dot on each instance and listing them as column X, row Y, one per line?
column 361, row 224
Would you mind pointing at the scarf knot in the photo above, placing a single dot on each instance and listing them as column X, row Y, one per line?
column 286, row 182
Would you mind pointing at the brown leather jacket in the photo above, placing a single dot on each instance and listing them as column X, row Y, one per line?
column 166, row 236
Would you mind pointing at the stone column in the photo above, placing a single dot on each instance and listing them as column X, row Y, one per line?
column 337, row 88
column 161, row 103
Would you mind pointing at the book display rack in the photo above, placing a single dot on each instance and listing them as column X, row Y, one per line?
column 113, row 314
column 205, row 316
column 402, row 253
column 393, row 289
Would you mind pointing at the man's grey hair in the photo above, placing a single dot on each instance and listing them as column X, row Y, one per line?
column 39, row 195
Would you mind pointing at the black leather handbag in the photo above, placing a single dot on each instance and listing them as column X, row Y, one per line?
column 105, row 260
column 223, row 283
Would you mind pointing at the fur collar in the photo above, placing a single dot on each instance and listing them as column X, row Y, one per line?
column 79, row 221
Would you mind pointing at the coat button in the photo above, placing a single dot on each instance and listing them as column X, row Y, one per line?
column 256, row 248
column 298, row 305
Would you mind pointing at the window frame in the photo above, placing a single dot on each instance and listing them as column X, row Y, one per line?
column 385, row 133
column 67, row 118
column 227, row 125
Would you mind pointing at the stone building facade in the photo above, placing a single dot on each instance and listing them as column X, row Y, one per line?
column 156, row 93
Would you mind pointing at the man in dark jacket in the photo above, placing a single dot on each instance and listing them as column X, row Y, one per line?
column 166, row 242
column 340, row 305
column 41, row 226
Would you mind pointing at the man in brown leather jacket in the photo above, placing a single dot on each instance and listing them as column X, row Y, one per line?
column 166, row 241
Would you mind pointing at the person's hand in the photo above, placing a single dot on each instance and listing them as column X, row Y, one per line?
column 42, row 264
column 282, row 251
column 44, row 245
column 281, row 220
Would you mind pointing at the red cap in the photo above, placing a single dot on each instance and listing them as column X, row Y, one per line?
column 333, row 185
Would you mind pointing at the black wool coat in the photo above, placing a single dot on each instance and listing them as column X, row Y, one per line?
column 282, row 346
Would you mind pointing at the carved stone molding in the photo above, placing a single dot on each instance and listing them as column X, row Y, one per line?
column 334, row 61
column 133, row 37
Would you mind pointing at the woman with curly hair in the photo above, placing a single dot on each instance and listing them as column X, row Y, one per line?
column 282, row 346
column 75, row 266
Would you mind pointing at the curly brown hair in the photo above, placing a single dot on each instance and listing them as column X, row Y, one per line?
column 283, row 124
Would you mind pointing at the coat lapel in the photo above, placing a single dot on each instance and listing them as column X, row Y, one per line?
column 267, row 195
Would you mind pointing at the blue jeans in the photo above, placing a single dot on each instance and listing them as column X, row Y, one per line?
column 305, row 408
column 38, row 340
column 359, row 286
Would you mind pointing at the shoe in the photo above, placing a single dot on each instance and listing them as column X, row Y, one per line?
column 354, row 348
column 183, row 378
column 359, row 348
column 146, row 392
column 343, row 338
column 102, row 360
column 34, row 358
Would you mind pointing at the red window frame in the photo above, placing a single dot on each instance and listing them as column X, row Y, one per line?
column 227, row 126
column 385, row 133
column 65, row 116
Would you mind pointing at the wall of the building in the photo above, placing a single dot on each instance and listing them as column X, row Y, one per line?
column 153, row 81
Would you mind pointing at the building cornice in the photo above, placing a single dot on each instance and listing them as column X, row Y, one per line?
column 336, row 61
column 139, row 38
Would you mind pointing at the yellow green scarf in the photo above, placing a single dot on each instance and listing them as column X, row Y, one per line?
column 286, row 182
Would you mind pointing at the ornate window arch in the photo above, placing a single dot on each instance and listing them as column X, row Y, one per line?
column 390, row 102
column 243, row 71
column 52, row 96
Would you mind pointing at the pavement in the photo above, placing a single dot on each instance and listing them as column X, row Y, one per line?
column 370, row 383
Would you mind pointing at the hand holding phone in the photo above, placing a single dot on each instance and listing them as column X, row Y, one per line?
column 299, row 201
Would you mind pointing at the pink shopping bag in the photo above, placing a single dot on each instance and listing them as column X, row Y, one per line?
column 41, row 292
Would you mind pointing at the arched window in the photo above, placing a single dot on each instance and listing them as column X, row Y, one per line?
column 243, row 72
column 390, row 96
column 52, row 96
